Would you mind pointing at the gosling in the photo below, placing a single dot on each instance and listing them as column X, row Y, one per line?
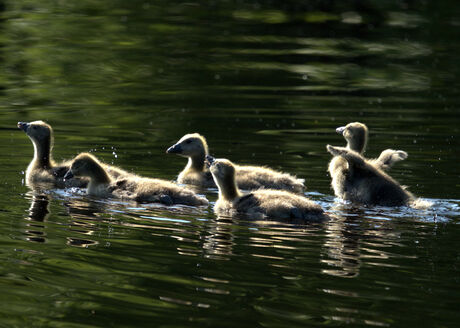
column 357, row 180
column 356, row 134
column 42, row 168
column 140, row 189
column 195, row 147
column 262, row 203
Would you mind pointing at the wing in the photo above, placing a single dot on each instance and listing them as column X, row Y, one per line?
column 389, row 157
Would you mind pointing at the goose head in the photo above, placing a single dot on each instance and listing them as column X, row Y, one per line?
column 85, row 165
column 190, row 145
column 38, row 131
column 221, row 168
column 356, row 136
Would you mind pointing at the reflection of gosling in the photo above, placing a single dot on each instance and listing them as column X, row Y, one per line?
column 194, row 147
column 356, row 180
column 260, row 203
column 42, row 168
column 356, row 134
column 130, row 187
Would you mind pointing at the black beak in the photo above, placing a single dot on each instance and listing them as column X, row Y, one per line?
column 175, row 149
column 68, row 175
column 209, row 160
column 23, row 126
column 340, row 130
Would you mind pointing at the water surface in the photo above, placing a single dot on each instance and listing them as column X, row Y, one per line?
column 267, row 84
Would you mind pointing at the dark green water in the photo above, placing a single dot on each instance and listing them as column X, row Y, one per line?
column 267, row 84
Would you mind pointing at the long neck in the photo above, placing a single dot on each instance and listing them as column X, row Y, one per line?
column 228, row 189
column 196, row 162
column 358, row 144
column 98, row 178
column 100, row 175
column 42, row 153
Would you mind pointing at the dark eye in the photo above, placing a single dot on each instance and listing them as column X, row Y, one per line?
column 188, row 141
column 34, row 127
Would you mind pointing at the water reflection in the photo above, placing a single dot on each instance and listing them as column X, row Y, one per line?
column 37, row 216
column 85, row 218
column 356, row 235
column 220, row 240
column 342, row 244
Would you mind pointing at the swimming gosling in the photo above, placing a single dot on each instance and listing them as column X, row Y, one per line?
column 43, row 168
column 278, row 204
column 136, row 188
column 357, row 180
column 357, row 134
column 195, row 148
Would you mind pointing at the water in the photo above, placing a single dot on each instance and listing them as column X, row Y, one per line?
column 267, row 84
